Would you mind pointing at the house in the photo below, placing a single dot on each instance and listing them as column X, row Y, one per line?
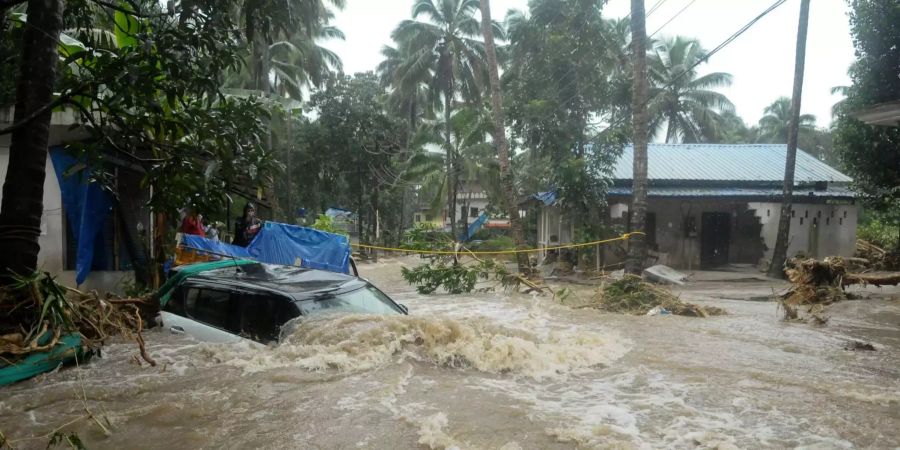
column 714, row 204
column 471, row 202
column 119, row 225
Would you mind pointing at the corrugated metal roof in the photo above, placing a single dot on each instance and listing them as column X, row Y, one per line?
column 725, row 162
column 799, row 194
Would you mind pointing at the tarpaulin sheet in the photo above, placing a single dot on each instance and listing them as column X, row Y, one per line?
column 215, row 248
column 86, row 204
column 474, row 227
column 279, row 243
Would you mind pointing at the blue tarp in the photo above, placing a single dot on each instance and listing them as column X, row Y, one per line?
column 214, row 247
column 86, row 204
column 474, row 227
column 279, row 243
column 547, row 198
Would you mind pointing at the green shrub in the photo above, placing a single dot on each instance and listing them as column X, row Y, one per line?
column 879, row 232
column 326, row 223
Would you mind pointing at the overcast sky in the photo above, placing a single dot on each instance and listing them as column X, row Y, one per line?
column 761, row 60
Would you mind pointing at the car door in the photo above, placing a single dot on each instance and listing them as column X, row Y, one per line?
column 202, row 312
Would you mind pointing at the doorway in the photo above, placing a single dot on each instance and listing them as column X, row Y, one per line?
column 715, row 235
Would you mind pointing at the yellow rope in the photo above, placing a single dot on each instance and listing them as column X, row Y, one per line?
column 623, row 237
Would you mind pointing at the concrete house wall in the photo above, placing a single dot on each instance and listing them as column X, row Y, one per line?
column 52, row 256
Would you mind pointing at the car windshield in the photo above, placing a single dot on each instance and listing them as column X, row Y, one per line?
column 367, row 300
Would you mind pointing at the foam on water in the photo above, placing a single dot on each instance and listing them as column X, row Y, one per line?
column 362, row 342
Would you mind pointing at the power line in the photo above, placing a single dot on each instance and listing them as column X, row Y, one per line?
column 704, row 59
column 653, row 8
column 673, row 18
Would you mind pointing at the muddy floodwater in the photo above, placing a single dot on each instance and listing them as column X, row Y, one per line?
column 497, row 370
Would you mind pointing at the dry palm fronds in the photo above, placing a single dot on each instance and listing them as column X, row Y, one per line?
column 36, row 311
column 632, row 295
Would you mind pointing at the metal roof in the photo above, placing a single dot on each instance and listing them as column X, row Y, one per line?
column 725, row 162
column 772, row 193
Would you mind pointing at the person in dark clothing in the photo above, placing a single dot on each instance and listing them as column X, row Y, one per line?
column 246, row 227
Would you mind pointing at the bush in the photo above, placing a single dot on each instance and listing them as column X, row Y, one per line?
column 879, row 232
column 326, row 223
column 454, row 278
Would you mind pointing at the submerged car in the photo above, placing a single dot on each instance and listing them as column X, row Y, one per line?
column 223, row 302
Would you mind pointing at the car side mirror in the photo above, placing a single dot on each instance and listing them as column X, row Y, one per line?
column 404, row 308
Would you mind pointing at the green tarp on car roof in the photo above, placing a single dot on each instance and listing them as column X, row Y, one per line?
column 165, row 292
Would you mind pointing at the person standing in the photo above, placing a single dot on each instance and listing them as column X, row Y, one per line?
column 192, row 223
column 247, row 226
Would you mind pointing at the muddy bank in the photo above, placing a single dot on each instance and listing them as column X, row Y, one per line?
column 498, row 371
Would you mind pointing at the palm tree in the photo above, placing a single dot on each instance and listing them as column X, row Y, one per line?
column 506, row 176
column 680, row 100
column 23, row 188
column 269, row 21
column 443, row 52
column 842, row 91
column 774, row 125
column 637, row 248
column 408, row 96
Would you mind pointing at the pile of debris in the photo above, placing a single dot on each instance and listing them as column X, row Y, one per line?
column 38, row 316
column 820, row 283
column 633, row 295
column 877, row 257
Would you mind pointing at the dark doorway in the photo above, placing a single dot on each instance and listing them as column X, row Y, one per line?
column 715, row 234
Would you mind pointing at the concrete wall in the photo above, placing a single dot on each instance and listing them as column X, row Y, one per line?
column 753, row 229
column 831, row 227
column 52, row 240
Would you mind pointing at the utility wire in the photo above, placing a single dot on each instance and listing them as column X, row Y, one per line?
column 673, row 18
column 719, row 47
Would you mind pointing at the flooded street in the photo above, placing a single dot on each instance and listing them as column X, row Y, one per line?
column 496, row 370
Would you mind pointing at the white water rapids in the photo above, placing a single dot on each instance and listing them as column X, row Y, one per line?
column 495, row 371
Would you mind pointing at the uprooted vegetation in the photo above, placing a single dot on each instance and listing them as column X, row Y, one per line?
column 816, row 284
column 633, row 295
column 36, row 313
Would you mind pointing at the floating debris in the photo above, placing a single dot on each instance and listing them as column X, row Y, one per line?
column 632, row 295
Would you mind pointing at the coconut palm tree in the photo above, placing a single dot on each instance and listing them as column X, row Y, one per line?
column 267, row 22
column 774, row 125
column 441, row 49
column 681, row 101
column 408, row 96
column 22, row 204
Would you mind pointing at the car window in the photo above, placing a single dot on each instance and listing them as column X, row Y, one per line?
column 209, row 306
column 260, row 317
column 365, row 300
column 175, row 304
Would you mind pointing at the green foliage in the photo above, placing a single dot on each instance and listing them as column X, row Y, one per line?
column 684, row 102
column 454, row 278
column 426, row 236
column 326, row 223
column 349, row 155
column 496, row 244
column 880, row 232
column 870, row 153
column 774, row 125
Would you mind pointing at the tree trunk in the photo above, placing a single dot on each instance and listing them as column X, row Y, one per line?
column 506, row 175
column 23, row 189
column 776, row 268
column 637, row 247
column 450, row 164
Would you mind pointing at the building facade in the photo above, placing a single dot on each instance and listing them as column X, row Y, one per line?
column 710, row 205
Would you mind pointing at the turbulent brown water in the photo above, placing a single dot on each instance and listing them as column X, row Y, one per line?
column 492, row 371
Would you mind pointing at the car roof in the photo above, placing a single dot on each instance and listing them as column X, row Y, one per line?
column 295, row 282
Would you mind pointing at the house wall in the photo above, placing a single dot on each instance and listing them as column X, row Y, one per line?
column 753, row 228
column 52, row 240
column 52, row 256
column 831, row 227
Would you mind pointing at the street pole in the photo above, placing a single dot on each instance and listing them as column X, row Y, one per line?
column 779, row 255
